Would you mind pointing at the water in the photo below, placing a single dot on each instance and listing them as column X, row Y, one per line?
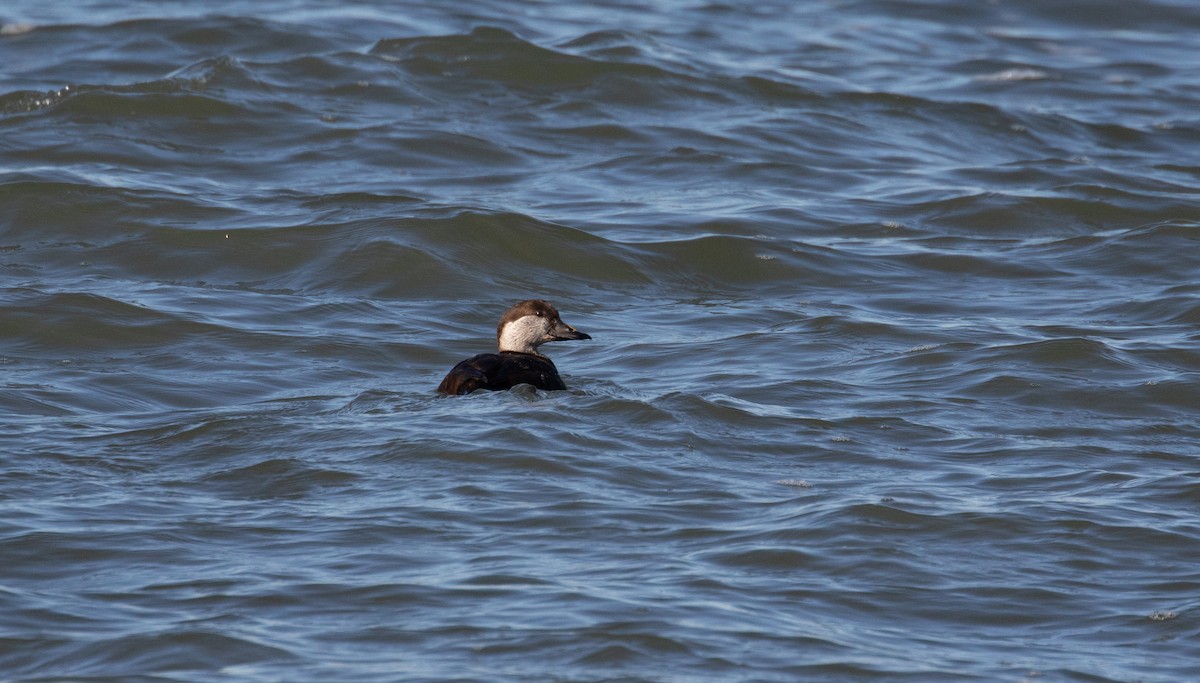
column 894, row 374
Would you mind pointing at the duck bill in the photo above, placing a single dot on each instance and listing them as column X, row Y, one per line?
column 564, row 332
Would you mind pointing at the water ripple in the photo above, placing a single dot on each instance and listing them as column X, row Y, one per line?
column 892, row 371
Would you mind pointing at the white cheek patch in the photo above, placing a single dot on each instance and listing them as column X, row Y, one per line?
column 523, row 334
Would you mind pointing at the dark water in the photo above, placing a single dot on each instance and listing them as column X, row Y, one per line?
column 895, row 371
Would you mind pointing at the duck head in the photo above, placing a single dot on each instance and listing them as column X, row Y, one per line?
column 531, row 323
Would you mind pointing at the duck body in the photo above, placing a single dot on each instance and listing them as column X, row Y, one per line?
column 523, row 327
column 501, row 371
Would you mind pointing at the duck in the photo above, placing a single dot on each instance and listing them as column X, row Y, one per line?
column 523, row 328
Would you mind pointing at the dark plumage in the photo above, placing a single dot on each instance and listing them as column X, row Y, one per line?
column 499, row 371
column 522, row 329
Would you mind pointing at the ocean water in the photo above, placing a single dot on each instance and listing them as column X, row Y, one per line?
column 895, row 370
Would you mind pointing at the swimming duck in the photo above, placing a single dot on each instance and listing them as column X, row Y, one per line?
column 522, row 329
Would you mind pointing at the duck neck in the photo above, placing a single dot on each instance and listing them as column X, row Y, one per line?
column 518, row 337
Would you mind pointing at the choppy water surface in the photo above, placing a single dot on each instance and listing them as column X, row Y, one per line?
column 896, row 318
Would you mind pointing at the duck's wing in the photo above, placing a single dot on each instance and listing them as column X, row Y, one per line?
column 473, row 373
